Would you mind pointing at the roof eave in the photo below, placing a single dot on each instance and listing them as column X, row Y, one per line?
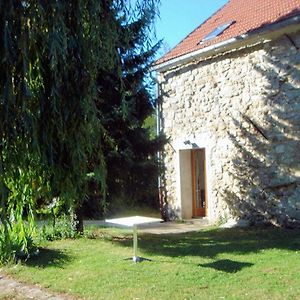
column 264, row 34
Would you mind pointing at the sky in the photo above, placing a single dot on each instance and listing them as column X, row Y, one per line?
column 180, row 17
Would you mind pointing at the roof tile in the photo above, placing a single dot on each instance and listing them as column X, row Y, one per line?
column 248, row 14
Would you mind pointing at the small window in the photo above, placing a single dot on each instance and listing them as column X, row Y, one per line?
column 217, row 31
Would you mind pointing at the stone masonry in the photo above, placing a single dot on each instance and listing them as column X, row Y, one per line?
column 246, row 105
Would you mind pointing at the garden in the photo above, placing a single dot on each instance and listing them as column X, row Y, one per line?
column 212, row 263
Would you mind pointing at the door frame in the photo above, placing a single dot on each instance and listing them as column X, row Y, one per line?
column 198, row 212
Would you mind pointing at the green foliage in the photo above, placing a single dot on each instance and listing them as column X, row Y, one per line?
column 21, row 243
column 150, row 125
column 73, row 99
column 62, row 227
column 131, row 152
column 18, row 226
column 50, row 56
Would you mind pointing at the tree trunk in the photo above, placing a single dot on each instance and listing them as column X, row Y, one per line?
column 79, row 219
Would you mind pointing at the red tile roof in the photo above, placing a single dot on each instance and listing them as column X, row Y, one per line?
column 248, row 14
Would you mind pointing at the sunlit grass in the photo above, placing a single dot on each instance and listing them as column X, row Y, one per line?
column 210, row 264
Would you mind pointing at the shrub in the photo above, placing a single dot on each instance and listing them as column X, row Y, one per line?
column 59, row 228
column 20, row 245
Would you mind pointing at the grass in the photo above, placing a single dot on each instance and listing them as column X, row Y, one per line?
column 210, row 264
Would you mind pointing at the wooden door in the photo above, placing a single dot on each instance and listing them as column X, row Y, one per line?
column 199, row 183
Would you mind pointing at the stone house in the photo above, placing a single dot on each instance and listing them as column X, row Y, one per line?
column 229, row 104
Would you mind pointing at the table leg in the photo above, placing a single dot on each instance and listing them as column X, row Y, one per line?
column 135, row 242
column 135, row 257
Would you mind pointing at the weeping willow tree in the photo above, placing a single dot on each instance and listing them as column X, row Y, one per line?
column 50, row 54
column 53, row 55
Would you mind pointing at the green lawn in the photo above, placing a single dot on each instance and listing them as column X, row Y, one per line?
column 210, row 264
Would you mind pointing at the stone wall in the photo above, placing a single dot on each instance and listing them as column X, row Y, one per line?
column 246, row 105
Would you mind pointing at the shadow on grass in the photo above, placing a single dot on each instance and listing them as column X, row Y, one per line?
column 211, row 243
column 227, row 265
column 49, row 258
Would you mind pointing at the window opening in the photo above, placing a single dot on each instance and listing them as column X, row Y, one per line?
column 217, row 31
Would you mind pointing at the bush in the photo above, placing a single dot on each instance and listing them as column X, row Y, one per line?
column 62, row 227
column 19, row 246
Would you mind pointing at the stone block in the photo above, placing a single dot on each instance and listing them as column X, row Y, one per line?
column 280, row 149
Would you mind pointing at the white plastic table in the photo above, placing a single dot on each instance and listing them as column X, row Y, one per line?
column 134, row 222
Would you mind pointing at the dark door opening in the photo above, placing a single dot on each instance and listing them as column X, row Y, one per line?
column 199, row 183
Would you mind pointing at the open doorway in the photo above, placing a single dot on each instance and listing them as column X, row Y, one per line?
column 199, row 189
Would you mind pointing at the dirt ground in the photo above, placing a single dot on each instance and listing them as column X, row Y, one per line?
column 12, row 289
